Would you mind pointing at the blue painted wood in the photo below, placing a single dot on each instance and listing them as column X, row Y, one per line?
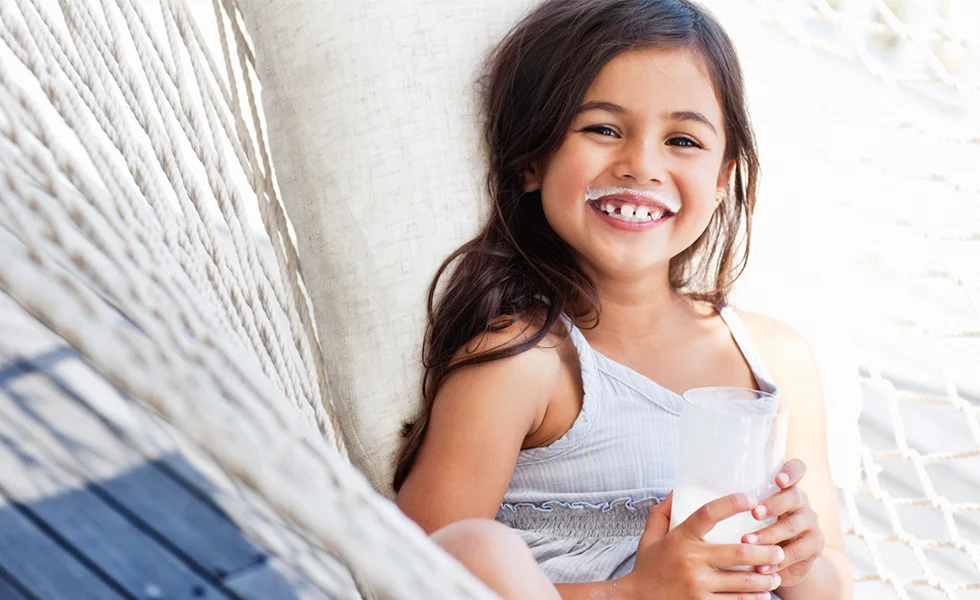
column 194, row 526
column 74, row 415
column 11, row 589
column 274, row 580
column 49, row 571
column 179, row 516
column 78, row 518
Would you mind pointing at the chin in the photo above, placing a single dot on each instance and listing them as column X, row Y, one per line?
column 628, row 266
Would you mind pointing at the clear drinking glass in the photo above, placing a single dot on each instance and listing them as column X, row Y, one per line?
column 732, row 440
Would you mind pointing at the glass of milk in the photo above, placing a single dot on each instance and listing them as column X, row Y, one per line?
column 732, row 440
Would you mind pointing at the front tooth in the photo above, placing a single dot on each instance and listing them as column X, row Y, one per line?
column 609, row 208
column 627, row 210
column 642, row 213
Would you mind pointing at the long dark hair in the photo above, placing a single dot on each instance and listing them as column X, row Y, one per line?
column 518, row 269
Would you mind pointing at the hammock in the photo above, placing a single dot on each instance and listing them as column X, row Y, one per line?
column 141, row 221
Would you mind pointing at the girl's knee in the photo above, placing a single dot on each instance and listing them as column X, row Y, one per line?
column 496, row 555
column 478, row 537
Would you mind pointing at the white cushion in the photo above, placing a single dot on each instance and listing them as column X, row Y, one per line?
column 373, row 126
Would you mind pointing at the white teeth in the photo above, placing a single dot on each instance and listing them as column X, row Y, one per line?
column 631, row 214
column 661, row 197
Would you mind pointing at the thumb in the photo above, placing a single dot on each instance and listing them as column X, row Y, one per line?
column 658, row 521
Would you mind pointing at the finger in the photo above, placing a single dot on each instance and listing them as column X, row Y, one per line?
column 705, row 518
column 663, row 507
column 806, row 547
column 735, row 582
column 791, row 473
column 780, row 503
column 658, row 521
column 727, row 556
column 788, row 527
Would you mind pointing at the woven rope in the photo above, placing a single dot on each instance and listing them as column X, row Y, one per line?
column 862, row 25
column 880, row 18
column 113, row 248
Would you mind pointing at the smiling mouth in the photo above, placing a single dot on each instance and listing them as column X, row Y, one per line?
column 630, row 213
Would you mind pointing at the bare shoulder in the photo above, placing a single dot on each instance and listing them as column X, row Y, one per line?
column 784, row 349
column 522, row 384
column 480, row 418
column 791, row 361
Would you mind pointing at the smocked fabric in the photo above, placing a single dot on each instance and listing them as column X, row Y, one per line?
column 581, row 503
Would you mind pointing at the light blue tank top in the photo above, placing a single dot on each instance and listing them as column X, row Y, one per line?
column 581, row 503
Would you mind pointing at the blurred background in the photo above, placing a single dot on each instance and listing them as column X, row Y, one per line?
column 868, row 240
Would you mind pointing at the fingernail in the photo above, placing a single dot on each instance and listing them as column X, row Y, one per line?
column 767, row 596
column 751, row 538
column 782, row 478
column 764, row 568
column 761, row 511
column 780, row 555
column 776, row 581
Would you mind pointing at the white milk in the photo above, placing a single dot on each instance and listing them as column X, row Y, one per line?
column 730, row 531
column 731, row 440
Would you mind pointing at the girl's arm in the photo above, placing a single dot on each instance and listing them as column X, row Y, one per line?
column 794, row 368
column 480, row 419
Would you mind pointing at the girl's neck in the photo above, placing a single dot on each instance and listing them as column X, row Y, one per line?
column 632, row 308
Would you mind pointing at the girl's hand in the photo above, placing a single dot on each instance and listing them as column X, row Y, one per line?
column 797, row 528
column 680, row 565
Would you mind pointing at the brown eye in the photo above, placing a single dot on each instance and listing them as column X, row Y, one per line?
column 601, row 130
column 683, row 142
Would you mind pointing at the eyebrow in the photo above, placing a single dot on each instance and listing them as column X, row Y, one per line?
column 677, row 115
column 691, row 115
column 598, row 105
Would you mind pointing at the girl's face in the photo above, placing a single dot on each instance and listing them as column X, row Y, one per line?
column 640, row 172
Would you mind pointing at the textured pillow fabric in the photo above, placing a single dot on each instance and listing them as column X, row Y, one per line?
column 373, row 125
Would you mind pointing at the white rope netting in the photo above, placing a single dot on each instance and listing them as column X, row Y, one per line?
column 914, row 520
column 132, row 164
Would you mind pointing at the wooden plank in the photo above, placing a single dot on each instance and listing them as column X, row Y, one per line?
column 252, row 512
column 9, row 592
column 273, row 580
column 189, row 518
column 311, row 563
column 205, row 535
column 74, row 437
column 106, row 454
column 9, row 588
column 82, row 520
column 37, row 562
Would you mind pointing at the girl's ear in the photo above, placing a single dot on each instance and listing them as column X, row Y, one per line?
column 724, row 177
column 532, row 178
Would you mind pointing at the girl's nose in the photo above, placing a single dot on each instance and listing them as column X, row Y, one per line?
column 641, row 162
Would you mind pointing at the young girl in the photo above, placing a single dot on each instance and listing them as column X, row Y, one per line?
column 623, row 174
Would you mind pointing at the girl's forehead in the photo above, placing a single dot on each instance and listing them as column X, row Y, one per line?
column 656, row 79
